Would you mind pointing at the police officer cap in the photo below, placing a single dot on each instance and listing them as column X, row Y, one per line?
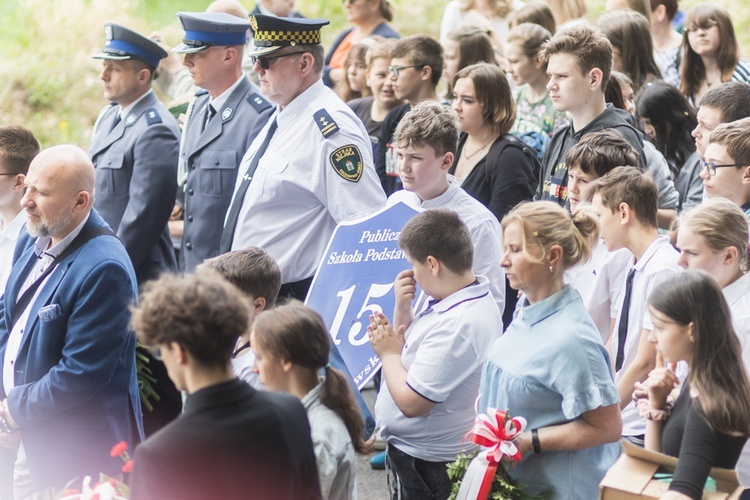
column 272, row 33
column 123, row 44
column 206, row 29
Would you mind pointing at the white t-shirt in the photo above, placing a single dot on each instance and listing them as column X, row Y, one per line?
column 445, row 348
column 657, row 264
column 486, row 233
column 8, row 238
column 599, row 281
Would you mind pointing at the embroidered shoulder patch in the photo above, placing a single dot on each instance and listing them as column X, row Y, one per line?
column 258, row 102
column 326, row 124
column 152, row 116
column 347, row 162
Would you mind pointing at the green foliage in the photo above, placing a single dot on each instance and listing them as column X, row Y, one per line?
column 503, row 486
column 50, row 83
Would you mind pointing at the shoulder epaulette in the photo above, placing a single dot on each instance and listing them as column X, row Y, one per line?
column 152, row 116
column 201, row 92
column 325, row 123
column 258, row 102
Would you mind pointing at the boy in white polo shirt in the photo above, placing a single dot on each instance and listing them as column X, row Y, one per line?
column 426, row 141
column 626, row 201
column 432, row 362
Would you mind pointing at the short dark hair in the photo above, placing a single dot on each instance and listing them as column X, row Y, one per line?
column 201, row 312
column 422, row 50
column 731, row 99
column 439, row 233
column 601, row 152
column 629, row 185
column 251, row 270
column 18, row 147
column 492, row 90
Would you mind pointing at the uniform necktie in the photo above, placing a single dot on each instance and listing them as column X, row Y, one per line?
column 234, row 211
column 210, row 112
column 118, row 118
column 622, row 329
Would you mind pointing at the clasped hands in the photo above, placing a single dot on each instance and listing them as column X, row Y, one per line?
column 652, row 397
column 386, row 340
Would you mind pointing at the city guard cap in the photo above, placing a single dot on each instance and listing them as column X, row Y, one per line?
column 273, row 33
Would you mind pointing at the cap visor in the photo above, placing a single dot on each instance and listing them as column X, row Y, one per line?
column 187, row 49
column 261, row 51
column 109, row 55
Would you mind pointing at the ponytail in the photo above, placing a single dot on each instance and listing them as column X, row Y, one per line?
column 336, row 395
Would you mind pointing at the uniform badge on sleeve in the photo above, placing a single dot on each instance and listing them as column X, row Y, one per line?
column 347, row 162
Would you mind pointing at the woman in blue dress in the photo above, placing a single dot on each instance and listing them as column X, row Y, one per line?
column 550, row 366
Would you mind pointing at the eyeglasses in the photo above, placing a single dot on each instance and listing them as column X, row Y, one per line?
column 396, row 70
column 711, row 167
column 705, row 26
column 9, row 173
column 265, row 61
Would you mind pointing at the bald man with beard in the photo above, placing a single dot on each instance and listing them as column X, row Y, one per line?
column 68, row 387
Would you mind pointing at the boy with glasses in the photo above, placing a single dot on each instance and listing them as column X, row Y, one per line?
column 415, row 70
column 725, row 168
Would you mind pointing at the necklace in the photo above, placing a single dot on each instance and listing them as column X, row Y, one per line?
column 469, row 156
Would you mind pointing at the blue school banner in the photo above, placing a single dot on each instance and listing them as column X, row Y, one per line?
column 355, row 278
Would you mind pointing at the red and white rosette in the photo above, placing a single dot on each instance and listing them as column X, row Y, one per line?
column 496, row 432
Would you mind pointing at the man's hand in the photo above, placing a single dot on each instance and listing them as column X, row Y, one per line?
column 9, row 439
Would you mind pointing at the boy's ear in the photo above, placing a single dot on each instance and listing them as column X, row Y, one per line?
column 746, row 175
column 426, row 73
column 448, row 158
column 434, row 265
column 259, row 304
column 596, row 78
column 18, row 185
column 626, row 213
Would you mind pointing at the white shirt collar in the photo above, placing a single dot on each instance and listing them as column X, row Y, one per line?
column 735, row 291
column 126, row 111
column 222, row 98
column 299, row 104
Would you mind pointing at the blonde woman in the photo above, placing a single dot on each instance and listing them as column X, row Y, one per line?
column 550, row 366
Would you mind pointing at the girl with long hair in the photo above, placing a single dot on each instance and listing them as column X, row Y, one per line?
column 536, row 116
column 668, row 120
column 632, row 46
column 463, row 47
column 711, row 52
column 292, row 346
column 710, row 420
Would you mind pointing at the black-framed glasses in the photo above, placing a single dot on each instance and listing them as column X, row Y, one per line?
column 711, row 167
column 705, row 26
column 395, row 70
column 9, row 173
column 265, row 61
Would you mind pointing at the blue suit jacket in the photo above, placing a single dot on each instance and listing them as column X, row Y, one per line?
column 76, row 392
column 136, row 181
column 212, row 157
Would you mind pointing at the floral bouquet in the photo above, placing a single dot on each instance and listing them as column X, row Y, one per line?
column 483, row 474
column 107, row 488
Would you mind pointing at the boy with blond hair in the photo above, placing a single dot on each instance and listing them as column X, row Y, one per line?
column 425, row 144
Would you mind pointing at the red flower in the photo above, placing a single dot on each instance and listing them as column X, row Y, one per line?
column 69, row 492
column 119, row 449
column 127, row 467
column 113, row 482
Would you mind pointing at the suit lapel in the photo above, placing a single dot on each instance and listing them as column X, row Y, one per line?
column 105, row 139
column 46, row 292
column 16, row 279
column 223, row 116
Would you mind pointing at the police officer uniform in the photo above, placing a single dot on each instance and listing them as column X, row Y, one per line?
column 213, row 147
column 317, row 169
column 135, row 151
